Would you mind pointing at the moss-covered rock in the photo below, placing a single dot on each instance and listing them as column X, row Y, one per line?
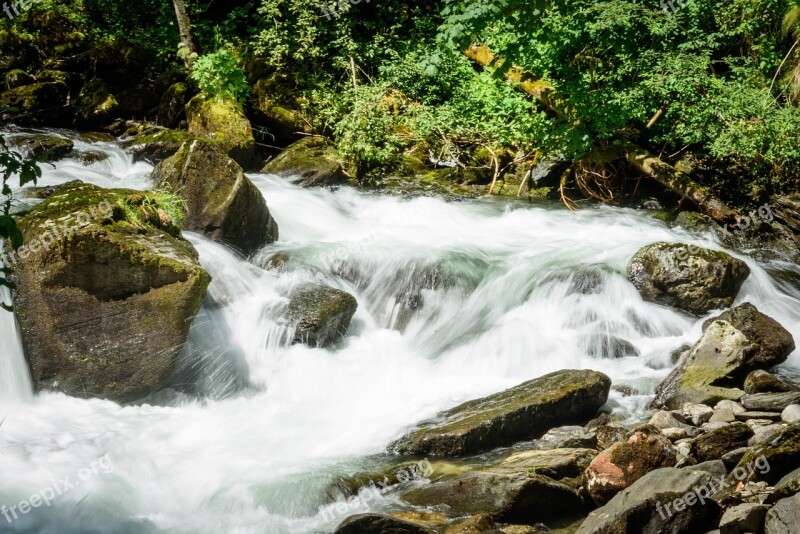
column 732, row 345
column 96, row 106
column 47, row 146
column 224, row 123
column 17, row 78
column 121, row 61
column 320, row 314
column 380, row 524
column 715, row 444
column 107, row 290
column 18, row 49
column 524, row 412
column 72, row 80
column 172, row 104
column 39, row 96
column 270, row 110
column 312, row 161
column 760, row 381
column 769, row 461
column 687, row 277
column 155, row 145
column 222, row 202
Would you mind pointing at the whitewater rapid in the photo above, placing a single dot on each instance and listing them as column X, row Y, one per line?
column 456, row 300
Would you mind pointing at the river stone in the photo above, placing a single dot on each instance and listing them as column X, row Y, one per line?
column 770, row 402
column 554, row 463
column 224, row 123
column 663, row 419
column 105, row 307
column 762, row 434
column 784, row 517
column 320, row 314
column 568, row 437
column 508, row 497
column 379, row 524
column 791, row 413
column 603, row 345
column 781, row 453
column 35, row 97
column 640, row 507
column 758, row 416
column 623, row 463
column 715, row 444
column 697, row 413
column 760, row 381
column 523, row 412
column 686, row 277
column 476, row 524
column 309, row 162
column 732, row 345
column 36, row 145
column 742, row 518
column 95, row 106
column 222, row 202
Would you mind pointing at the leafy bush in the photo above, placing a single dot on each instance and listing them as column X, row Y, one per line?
column 220, row 75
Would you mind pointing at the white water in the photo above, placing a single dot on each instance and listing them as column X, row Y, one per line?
column 260, row 429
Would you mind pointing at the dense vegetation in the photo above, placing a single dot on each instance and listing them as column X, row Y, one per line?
column 711, row 86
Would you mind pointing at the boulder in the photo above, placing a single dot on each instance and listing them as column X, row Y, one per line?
column 726, row 411
column 604, row 345
column 308, row 162
column 732, row 345
column 663, row 500
column 379, row 524
column 771, row 402
column 320, row 314
column 760, row 381
column 46, row 146
column 785, row 487
column 572, row 436
column 476, row 524
column 784, row 517
column 224, row 123
column 34, row 97
column 557, row 464
column 222, row 202
column 95, row 106
column 280, row 118
column 17, row 78
column 523, row 412
column 171, row 107
column 155, row 145
column 625, row 462
column 106, row 296
column 774, row 458
column 697, row 413
column 743, row 518
column 18, row 49
column 791, row 413
column 508, row 497
column 689, row 278
column 716, row 443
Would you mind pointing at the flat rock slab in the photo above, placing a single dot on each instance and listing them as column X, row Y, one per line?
column 770, row 402
column 524, row 412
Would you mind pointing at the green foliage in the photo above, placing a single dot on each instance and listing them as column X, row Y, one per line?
column 12, row 164
column 138, row 212
column 220, row 75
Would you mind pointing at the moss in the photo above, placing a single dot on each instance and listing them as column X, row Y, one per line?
column 224, row 123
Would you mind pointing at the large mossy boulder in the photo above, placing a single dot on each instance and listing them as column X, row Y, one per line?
column 686, row 277
column 172, row 104
column 35, row 97
column 648, row 506
column 47, row 146
column 222, row 202
column 524, row 412
column 312, row 161
column 224, row 123
column 18, row 49
column 107, row 290
column 320, row 314
column 95, row 107
column 733, row 344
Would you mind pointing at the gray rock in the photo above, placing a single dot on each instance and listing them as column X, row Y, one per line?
column 768, row 416
column 732, row 458
column 784, row 517
column 791, row 413
column 603, row 345
column 567, row 437
column 686, row 277
column 48, row 147
column 774, row 457
column 320, row 314
column 663, row 419
column 786, row 487
column 770, row 402
column 697, row 413
column 743, row 518
column 523, row 412
column 713, row 445
column 763, row 434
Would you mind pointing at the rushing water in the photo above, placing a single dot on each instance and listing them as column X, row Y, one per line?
column 456, row 300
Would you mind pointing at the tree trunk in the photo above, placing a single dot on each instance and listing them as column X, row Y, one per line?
column 185, row 29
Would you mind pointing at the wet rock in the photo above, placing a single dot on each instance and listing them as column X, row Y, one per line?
column 567, row 437
column 321, row 314
column 223, row 123
column 784, row 517
column 95, row 106
column 732, row 345
column 781, row 454
column 280, row 117
column 222, row 202
column 102, row 289
column 743, row 518
column 649, row 505
column 623, row 463
column 507, row 497
column 309, row 162
column 379, row 524
column 791, row 413
column 523, row 412
column 607, row 435
column 172, row 104
column 771, row 402
column 602, row 345
column 92, row 157
column 555, row 463
column 37, row 145
column 472, row 525
column 713, row 445
column 760, row 381
column 155, row 145
column 686, row 277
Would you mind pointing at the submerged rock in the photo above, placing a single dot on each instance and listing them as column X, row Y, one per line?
column 321, row 314
column 222, row 202
column 733, row 344
column 524, row 412
column 309, row 162
column 687, row 277
column 224, row 123
column 106, row 292
column 35, row 145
